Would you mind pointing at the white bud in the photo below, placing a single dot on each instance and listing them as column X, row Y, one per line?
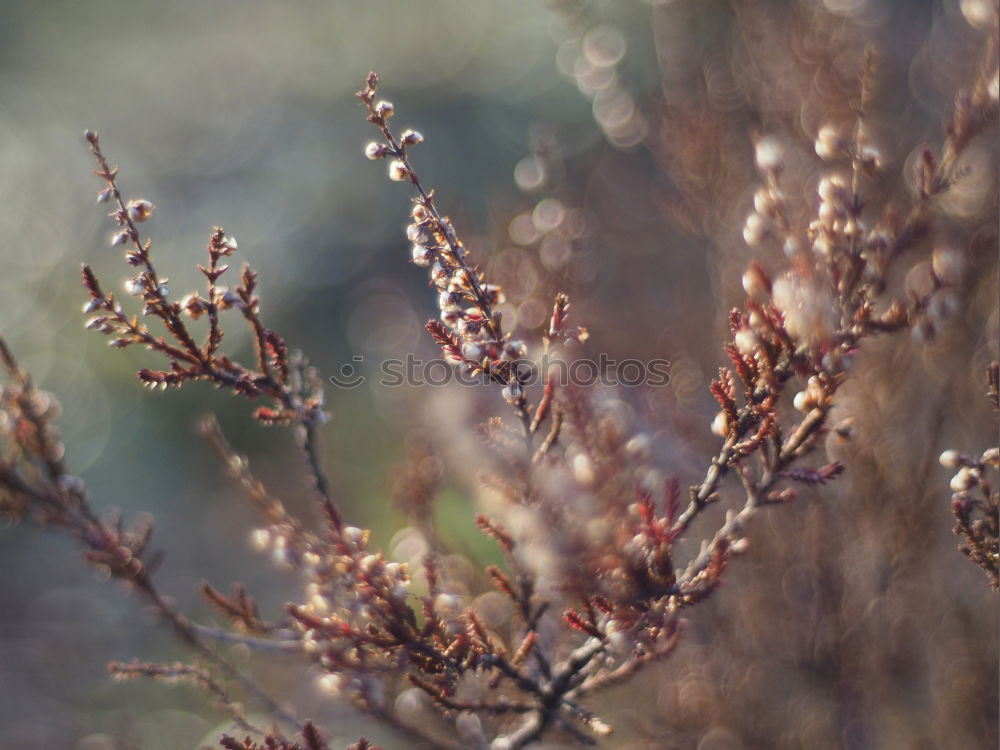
column 421, row 255
column 755, row 229
column 512, row 392
column 745, row 341
column 374, row 150
column 966, row 478
column 764, row 201
column 768, row 153
column 803, row 402
column 583, row 469
column 139, row 210
column 870, row 155
column 950, row 459
column 332, row 684
column 384, row 109
column 397, row 170
column 720, row 425
column 472, row 351
column 828, row 143
column 948, row 265
column 411, row 137
column 755, row 282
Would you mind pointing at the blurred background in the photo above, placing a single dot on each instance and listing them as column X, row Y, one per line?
column 604, row 149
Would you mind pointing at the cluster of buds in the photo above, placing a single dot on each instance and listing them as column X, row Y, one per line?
column 469, row 330
column 976, row 506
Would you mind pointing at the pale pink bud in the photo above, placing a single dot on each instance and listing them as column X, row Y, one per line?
column 139, row 210
column 411, row 137
column 397, row 170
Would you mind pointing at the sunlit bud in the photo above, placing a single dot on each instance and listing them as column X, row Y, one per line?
column 755, row 229
column 832, row 189
column 803, row 401
column 583, row 469
column 319, row 605
column 194, row 305
column 370, row 564
column 948, row 265
column 980, row 14
column 421, row 255
column 755, row 282
column 828, row 212
column 950, row 459
column 420, row 213
column 375, row 150
column 398, row 171
column 446, row 604
column 994, row 87
column 822, row 246
column 354, row 535
column 260, row 539
column 332, row 684
column 448, row 300
column 791, row 247
column 411, row 137
column 720, row 425
column 828, row 143
column 472, row 351
column 745, row 341
column 139, row 210
column 91, row 305
column 135, row 287
column 120, row 238
column 764, row 201
column 439, row 276
column 768, row 153
column 452, row 316
column 870, row 155
column 991, row 457
column 230, row 243
column 384, row 109
column 639, row 447
column 105, row 195
column 416, row 234
column 966, row 478
column 512, row 392
column 227, row 298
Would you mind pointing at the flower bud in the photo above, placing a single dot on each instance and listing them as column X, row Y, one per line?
column 421, row 255
column 966, row 478
column 755, row 229
column 829, row 144
column 139, row 210
column 720, row 425
column 411, row 137
column 398, row 171
column 768, row 153
column 950, row 459
column 512, row 392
